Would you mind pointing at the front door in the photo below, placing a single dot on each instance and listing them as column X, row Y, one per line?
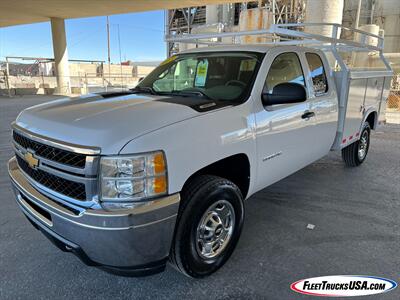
column 284, row 132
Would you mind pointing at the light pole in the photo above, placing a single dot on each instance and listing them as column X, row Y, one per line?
column 109, row 56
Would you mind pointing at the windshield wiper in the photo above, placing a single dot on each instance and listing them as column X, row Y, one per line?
column 144, row 89
column 190, row 93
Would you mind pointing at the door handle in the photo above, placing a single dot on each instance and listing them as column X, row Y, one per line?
column 307, row 115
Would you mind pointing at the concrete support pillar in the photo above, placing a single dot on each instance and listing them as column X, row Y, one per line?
column 392, row 33
column 212, row 14
column 60, row 56
column 228, row 14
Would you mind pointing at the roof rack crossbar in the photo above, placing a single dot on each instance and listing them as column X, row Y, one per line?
column 277, row 32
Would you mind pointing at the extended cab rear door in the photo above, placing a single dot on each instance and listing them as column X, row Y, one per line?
column 323, row 99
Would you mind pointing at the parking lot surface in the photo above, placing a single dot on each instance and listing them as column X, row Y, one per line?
column 356, row 213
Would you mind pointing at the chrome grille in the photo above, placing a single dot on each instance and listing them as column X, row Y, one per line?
column 60, row 174
column 51, row 153
column 60, row 185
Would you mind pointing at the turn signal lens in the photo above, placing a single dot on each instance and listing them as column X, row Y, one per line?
column 159, row 163
column 157, row 185
column 155, row 164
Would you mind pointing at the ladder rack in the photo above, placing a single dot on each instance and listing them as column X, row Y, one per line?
column 295, row 34
column 292, row 34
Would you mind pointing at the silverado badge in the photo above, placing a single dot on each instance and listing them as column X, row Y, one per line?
column 31, row 160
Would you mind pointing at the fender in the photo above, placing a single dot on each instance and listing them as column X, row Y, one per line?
column 199, row 142
column 370, row 111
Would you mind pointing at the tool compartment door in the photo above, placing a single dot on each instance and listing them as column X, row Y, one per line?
column 354, row 110
column 374, row 93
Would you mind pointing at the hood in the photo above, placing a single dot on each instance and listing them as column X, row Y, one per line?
column 102, row 121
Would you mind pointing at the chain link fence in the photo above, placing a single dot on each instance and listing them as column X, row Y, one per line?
column 393, row 103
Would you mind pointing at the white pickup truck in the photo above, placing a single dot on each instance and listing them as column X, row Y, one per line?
column 129, row 180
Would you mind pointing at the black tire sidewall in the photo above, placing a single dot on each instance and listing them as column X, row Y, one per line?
column 367, row 128
column 195, row 265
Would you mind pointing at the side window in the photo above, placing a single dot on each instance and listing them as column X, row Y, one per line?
column 317, row 73
column 285, row 68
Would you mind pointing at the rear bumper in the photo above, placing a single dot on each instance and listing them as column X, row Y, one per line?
column 130, row 242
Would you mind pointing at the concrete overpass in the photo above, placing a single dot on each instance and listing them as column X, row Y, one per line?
column 16, row 12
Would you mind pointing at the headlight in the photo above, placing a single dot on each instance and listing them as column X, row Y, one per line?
column 127, row 179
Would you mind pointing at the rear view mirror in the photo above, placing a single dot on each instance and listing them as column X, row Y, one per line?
column 285, row 93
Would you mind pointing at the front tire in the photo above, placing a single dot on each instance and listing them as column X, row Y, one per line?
column 208, row 227
column 354, row 154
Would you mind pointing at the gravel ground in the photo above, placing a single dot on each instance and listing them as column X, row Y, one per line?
column 356, row 213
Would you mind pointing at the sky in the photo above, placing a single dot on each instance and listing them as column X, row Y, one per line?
column 141, row 36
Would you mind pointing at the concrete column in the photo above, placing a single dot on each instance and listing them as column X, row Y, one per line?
column 392, row 33
column 228, row 14
column 212, row 14
column 60, row 56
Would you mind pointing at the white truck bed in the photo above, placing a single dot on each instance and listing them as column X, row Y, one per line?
column 363, row 92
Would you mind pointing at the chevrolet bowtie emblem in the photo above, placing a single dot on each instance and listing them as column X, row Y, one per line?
column 31, row 160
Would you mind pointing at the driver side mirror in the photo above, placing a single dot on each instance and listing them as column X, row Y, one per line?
column 284, row 93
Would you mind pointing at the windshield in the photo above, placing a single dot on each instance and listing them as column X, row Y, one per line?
column 220, row 76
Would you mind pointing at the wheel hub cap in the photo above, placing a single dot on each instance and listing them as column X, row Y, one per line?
column 363, row 145
column 215, row 229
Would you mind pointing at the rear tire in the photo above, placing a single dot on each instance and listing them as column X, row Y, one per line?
column 208, row 227
column 354, row 154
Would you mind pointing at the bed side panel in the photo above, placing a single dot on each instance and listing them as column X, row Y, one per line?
column 354, row 110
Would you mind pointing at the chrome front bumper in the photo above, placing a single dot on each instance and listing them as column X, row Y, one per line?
column 134, row 239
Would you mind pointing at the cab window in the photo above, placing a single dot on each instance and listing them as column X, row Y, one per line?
column 286, row 67
column 318, row 76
